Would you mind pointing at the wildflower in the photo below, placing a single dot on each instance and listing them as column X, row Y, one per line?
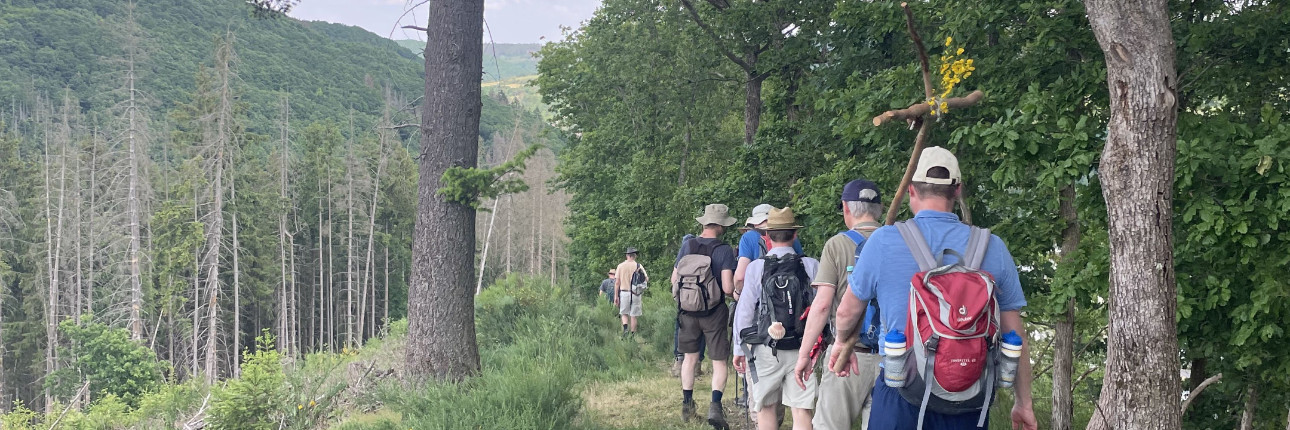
column 948, row 41
column 299, row 407
column 959, row 52
column 312, row 403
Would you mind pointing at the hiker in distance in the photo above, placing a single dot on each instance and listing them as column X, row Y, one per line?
column 966, row 283
column 769, row 328
column 842, row 400
column 631, row 282
column 607, row 287
column 701, row 279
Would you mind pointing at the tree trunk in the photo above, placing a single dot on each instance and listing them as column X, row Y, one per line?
column 1141, row 387
column 133, row 208
column 488, row 239
column 284, row 160
column 349, row 236
column 54, row 243
column 1251, row 406
column 1198, row 373
column 237, row 285
column 441, row 312
column 386, row 296
column 1064, row 333
column 752, row 105
column 197, row 288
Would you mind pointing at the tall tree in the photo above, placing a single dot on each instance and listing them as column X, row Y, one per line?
column 1141, row 386
column 441, row 311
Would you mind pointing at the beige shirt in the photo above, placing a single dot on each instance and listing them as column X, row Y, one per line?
column 838, row 256
column 624, row 274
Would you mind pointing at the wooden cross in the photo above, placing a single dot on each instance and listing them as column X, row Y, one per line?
column 915, row 116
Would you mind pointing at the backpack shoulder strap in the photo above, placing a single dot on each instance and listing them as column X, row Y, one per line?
column 917, row 245
column 974, row 254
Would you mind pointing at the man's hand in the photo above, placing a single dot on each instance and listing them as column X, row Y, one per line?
column 1023, row 417
column 805, row 366
column 836, row 353
column 741, row 365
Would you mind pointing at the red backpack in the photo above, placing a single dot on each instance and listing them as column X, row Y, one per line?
column 953, row 329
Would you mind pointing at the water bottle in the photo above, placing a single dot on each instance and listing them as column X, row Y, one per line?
column 894, row 363
column 1010, row 345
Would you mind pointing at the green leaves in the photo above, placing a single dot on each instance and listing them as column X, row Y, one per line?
column 467, row 186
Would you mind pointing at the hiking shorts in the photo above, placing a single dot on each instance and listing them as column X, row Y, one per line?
column 714, row 330
column 896, row 413
column 845, row 401
column 629, row 304
column 775, row 383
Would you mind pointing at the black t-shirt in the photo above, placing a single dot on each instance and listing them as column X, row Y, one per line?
column 723, row 256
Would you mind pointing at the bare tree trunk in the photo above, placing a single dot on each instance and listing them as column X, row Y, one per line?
column 349, row 240
column 510, row 235
column 330, row 321
column 197, row 304
column 221, row 146
column 55, row 240
column 316, row 324
column 488, row 239
column 386, row 302
column 94, row 162
column 1251, row 406
column 1141, row 387
column 370, row 276
column 1064, row 332
column 284, row 156
column 237, row 286
column 132, row 195
column 441, row 314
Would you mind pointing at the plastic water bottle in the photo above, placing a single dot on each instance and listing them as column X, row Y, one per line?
column 894, row 363
column 1010, row 345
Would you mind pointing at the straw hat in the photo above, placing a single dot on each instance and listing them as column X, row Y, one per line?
column 781, row 219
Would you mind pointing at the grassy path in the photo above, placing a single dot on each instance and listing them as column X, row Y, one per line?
column 652, row 400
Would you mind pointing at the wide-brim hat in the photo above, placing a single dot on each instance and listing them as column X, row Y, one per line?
column 781, row 219
column 759, row 214
column 718, row 214
column 630, row 250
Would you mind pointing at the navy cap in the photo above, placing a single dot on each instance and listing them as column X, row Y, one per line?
column 861, row 190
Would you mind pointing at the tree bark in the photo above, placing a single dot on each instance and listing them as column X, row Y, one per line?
column 441, row 312
column 1141, row 387
column 284, row 326
column 1251, row 406
column 1064, row 336
column 133, row 208
column 349, row 239
column 752, row 104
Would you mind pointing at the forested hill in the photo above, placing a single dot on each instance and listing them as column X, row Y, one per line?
column 46, row 46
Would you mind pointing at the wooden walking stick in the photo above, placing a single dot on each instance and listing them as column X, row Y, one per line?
column 915, row 115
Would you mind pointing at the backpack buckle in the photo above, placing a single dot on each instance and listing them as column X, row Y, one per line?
column 932, row 343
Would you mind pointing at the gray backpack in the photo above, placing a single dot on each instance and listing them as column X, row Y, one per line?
column 697, row 290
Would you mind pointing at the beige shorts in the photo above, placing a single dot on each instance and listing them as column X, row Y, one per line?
column 845, row 400
column 629, row 304
column 775, row 382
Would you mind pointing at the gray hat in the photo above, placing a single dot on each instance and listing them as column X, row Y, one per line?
column 718, row 214
column 630, row 250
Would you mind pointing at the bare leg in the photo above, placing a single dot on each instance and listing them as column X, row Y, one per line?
column 718, row 374
column 766, row 419
column 633, row 324
column 687, row 370
column 801, row 419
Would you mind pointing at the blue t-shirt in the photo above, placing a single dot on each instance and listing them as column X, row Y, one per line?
column 886, row 266
column 750, row 245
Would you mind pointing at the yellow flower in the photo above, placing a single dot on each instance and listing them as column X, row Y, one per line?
column 959, row 52
column 948, row 41
column 299, row 407
column 312, row 403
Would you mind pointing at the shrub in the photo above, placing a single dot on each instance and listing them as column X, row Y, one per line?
column 107, row 358
column 255, row 400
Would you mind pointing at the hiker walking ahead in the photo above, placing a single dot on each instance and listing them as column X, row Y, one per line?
column 753, row 244
column 842, row 400
column 953, row 298
column 769, row 328
column 607, row 287
column 630, row 284
column 701, row 280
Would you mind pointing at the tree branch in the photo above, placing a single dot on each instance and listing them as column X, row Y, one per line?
column 922, row 51
column 1194, row 393
column 413, row 27
column 917, row 110
column 694, row 15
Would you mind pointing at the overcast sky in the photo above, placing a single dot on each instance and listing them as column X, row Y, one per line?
column 511, row 21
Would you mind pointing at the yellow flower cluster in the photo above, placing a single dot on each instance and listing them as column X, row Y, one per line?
column 954, row 70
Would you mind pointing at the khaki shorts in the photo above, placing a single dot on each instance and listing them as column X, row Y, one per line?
column 629, row 304
column 715, row 328
column 845, row 400
column 775, row 383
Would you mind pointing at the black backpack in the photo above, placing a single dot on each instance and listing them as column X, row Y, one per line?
column 786, row 295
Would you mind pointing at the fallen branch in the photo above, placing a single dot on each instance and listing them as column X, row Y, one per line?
column 79, row 393
column 1194, row 393
column 198, row 422
column 917, row 110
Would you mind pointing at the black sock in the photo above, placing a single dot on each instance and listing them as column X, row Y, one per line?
column 624, row 328
column 716, row 396
column 688, row 396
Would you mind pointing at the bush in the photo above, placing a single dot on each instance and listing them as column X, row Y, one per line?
column 169, row 403
column 255, row 400
column 107, row 358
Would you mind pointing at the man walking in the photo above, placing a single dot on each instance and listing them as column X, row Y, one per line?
column 607, row 287
column 842, row 401
column 676, row 328
column 630, row 284
column 702, row 313
column 752, row 243
column 884, row 271
column 768, row 325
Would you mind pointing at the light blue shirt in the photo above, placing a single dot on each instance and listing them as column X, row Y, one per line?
column 748, row 301
column 886, row 266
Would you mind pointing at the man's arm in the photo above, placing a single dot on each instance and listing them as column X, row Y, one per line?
column 741, row 271
column 1011, row 320
column 850, row 313
column 815, row 321
column 728, row 282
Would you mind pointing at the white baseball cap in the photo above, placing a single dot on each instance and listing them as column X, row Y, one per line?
column 759, row 214
column 937, row 157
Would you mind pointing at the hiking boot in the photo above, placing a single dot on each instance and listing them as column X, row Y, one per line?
column 698, row 369
column 717, row 417
column 687, row 411
column 676, row 369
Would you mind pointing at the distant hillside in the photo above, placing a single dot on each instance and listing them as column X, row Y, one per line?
column 513, row 59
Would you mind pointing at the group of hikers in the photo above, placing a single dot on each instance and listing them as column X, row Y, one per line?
column 910, row 326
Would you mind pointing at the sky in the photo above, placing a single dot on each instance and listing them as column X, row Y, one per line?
column 511, row 21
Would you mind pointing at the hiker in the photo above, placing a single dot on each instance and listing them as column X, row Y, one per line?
column 842, row 401
column 607, row 287
column 886, row 271
column 768, row 325
column 628, row 289
column 676, row 327
column 701, row 279
column 752, row 244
